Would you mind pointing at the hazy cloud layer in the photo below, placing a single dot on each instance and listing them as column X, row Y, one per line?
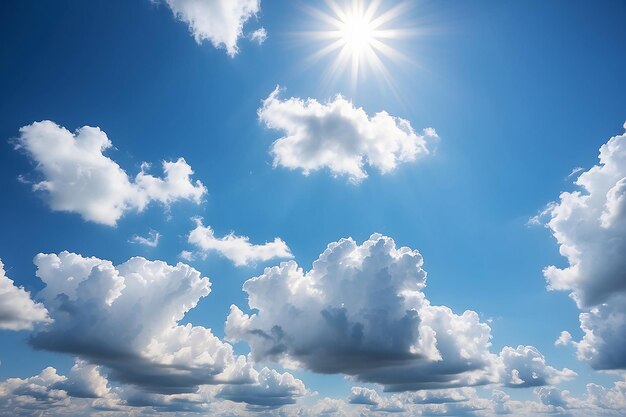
column 339, row 137
column 79, row 178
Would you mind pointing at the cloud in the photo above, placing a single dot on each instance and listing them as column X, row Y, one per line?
column 217, row 21
column 238, row 249
column 48, row 391
column 32, row 396
column 271, row 390
column 79, row 178
column 125, row 318
column 152, row 240
column 589, row 225
column 340, row 137
column 361, row 311
column 565, row 338
column 259, row 36
column 17, row 310
column 85, row 381
column 525, row 367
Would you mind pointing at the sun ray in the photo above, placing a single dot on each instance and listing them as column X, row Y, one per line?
column 357, row 32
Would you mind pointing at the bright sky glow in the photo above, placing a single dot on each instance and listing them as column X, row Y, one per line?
column 360, row 34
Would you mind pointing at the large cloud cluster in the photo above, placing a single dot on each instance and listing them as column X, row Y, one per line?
column 590, row 227
column 17, row 310
column 125, row 319
column 339, row 136
column 79, row 178
column 361, row 311
column 218, row 21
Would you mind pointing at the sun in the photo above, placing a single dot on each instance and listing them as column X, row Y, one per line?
column 360, row 34
column 357, row 33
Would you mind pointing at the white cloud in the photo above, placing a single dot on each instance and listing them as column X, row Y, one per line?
column 79, row 178
column 271, row 390
column 218, row 21
column 525, row 366
column 17, row 310
column 340, row 137
column 238, row 249
column 590, row 227
column 125, row 318
column 361, row 311
column 259, row 36
column 152, row 240
column 564, row 339
column 32, row 396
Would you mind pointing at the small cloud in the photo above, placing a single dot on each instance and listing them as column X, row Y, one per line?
column 259, row 35
column 575, row 171
column 238, row 249
column 187, row 256
column 565, row 338
column 152, row 240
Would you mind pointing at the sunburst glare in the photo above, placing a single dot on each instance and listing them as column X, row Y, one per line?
column 361, row 35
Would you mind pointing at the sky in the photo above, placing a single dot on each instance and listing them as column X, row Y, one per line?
column 312, row 208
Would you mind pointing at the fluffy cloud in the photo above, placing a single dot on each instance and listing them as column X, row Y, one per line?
column 339, row 136
column 361, row 311
column 17, row 310
column 79, row 178
column 85, row 381
column 272, row 389
column 236, row 248
column 48, row 392
column 590, row 227
column 526, row 367
column 32, row 396
column 597, row 401
column 125, row 318
column 218, row 21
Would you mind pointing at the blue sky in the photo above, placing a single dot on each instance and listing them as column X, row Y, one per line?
column 519, row 93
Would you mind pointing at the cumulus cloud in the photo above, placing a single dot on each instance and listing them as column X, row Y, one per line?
column 525, row 366
column 271, row 390
column 597, row 401
column 79, row 178
column 32, row 396
column 217, row 21
column 238, row 249
column 339, row 137
column 85, row 381
column 152, row 240
column 361, row 311
column 125, row 318
column 564, row 339
column 17, row 310
column 589, row 225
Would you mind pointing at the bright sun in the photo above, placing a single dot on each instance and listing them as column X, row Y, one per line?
column 357, row 33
